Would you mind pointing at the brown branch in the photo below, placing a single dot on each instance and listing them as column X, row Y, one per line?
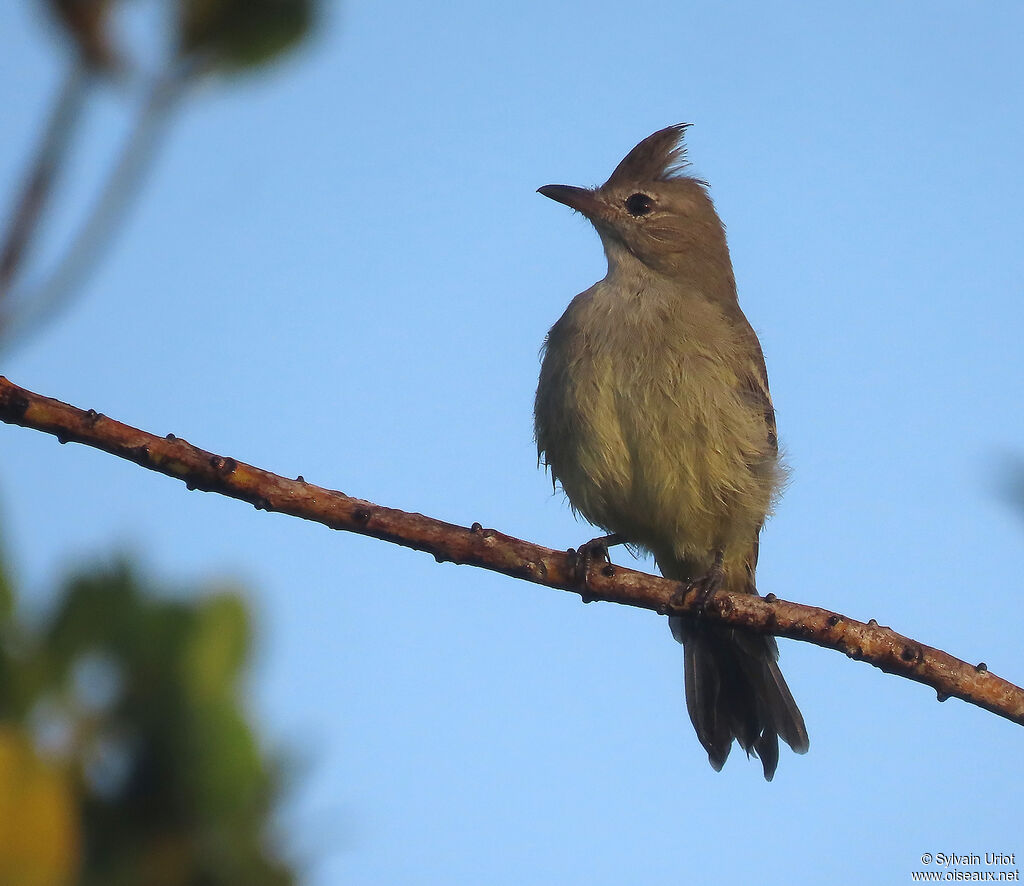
column 489, row 549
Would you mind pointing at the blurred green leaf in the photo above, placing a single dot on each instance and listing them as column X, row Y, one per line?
column 143, row 690
column 1015, row 485
column 218, row 646
column 229, row 769
column 243, row 33
column 1008, row 480
column 6, row 589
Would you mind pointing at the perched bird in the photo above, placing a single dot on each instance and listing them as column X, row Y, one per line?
column 653, row 414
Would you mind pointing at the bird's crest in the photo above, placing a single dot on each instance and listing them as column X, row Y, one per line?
column 659, row 157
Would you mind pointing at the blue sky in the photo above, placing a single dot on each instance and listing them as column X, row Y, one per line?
column 340, row 268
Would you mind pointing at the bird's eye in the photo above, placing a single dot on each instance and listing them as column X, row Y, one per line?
column 639, row 204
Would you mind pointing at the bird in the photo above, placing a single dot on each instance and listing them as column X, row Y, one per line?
column 654, row 416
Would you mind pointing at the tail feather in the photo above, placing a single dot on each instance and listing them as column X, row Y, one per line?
column 735, row 690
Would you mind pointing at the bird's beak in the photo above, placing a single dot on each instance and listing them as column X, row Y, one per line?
column 581, row 199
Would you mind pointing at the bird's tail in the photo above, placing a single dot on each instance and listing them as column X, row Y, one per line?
column 735, row 690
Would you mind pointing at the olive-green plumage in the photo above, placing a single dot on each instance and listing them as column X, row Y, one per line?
column 653, row 413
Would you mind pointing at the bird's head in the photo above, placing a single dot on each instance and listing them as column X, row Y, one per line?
column 652, row 210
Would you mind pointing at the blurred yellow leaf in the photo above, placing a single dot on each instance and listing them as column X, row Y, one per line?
column 39, row 840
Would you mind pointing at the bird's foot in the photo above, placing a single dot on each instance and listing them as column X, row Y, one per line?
column 706, row 586
column 594, row 551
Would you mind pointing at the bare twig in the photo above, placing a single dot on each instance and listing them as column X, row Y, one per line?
column 489, row 549
column 39, row 181
column 28, row 309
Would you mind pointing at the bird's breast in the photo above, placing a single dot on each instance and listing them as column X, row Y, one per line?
column 640, row 418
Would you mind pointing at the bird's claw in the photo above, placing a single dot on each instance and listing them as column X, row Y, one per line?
column 707, row 585
column 594, row 551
